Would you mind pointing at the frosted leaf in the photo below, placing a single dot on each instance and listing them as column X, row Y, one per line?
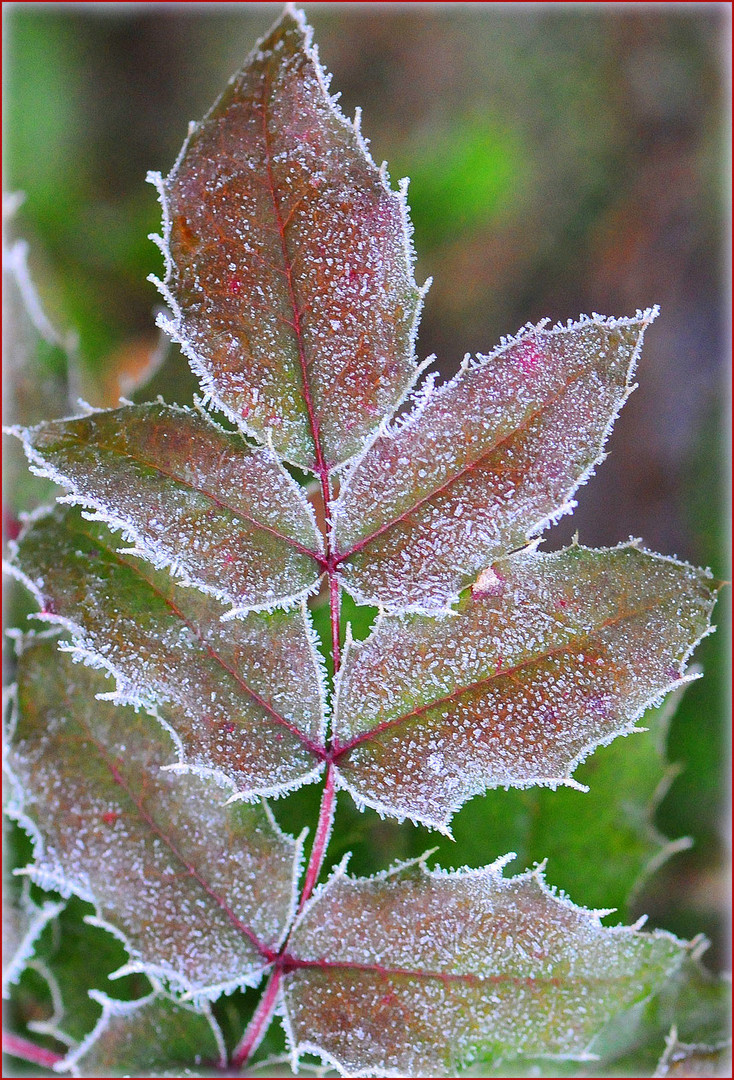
column 23, row 924
column 552, row 655
column 200, row 892
column 288, row 260
column 243, row 697
column 188, row 495
column 153, row 1036
column 417, row 972
column 482, row 464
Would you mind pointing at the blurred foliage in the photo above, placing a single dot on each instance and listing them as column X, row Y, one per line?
column 563, row 159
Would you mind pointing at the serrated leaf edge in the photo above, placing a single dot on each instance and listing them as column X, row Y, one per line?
column 492, row 871
column 112, row 1007
column 173, row 325
column 56, row 880
column 630, row 728
column 127, row 692
column 429, row 391
column 145, row 548
column 51, row 1027
column 41, row 915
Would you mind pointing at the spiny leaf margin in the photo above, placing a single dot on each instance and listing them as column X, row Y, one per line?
column 292, row 21
column 521, row 563
column 413, row 877
column 457, row 541
column 49, row 873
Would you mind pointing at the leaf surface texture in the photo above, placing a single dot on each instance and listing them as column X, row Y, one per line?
column 199, row 891
column 243, row 697
column 483, row 463
column 550, row 656
column 289, row 264
column 191, row 497
column 415, row 973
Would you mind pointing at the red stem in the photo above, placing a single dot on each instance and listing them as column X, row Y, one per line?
column 264, row 1013
column 321, row 839
column 260, row 1022
column 28, row 1051
column 334, row 611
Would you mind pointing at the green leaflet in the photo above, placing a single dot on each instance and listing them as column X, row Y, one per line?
column 155, row 1036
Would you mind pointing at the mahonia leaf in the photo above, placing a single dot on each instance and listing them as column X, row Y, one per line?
column 693, row 1001
column 289, row 261
column 153, row 1036
column 23, row 923
column 482, row 464
column 416, row 972
column 191, row 497
column 201, row 893
column 551, row 655
column 243, row 698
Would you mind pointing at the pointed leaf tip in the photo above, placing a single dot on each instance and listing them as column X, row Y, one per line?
column 551, row 656
column 244, row 698
column 483, row 463
column 289, row 262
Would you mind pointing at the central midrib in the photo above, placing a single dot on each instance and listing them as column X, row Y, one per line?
column 295, row 963
column 321, row 467
column 264, row 951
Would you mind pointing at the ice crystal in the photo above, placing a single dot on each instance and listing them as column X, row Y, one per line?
column 187, row 495
column 416, row 972
column 549, row 657
column 199, row 892
column 243, row 697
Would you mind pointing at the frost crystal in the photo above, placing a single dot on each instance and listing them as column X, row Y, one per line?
column 243, row 698
column 417, row 972
column 551, row 656
column 288, row 260
column 201, row 893
column 189, row 496
column 483, row 463
column 187, row 682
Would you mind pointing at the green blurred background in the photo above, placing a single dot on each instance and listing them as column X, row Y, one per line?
column 562, row 159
